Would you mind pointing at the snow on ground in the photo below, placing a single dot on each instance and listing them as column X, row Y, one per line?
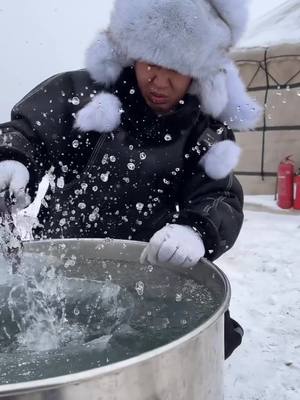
column 266, row 203
column 264, row 271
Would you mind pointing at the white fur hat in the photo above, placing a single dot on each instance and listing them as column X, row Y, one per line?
column 193, row 37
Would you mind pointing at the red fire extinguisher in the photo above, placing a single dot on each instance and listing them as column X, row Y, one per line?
column 285, row 180
column 297, row 191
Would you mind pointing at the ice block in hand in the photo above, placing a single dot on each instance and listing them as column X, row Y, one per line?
column 25, row 220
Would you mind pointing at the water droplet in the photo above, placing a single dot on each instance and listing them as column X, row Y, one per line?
column 131, row 166
column 75, row 144
column 104, row 177
column 105, row 159
column 95, row 188
column 65, row 168
column 143, row 156
column 150, row 268
column 76, row 311
column 60, row 182
column 131, row 147
column 84, row 186
column 132, row 91
column 181, row 101
column 92, row 217
column 139, row 206
column 112, row 158
column 38, row 123
column 178, row 297
column 168, row 138
column 62, row 222
column 82, row 206
column 70, row 262
column 220, row 130
column 75, row 101
column 57, row 207
column 139, row 287
column 166, row 182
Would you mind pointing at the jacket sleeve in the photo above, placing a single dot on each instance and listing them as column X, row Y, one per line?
column 212, row 207
column 40, row 132
column 27, row 137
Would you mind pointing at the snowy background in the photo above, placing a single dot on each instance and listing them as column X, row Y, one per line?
column 39, row 39
column 264, row 271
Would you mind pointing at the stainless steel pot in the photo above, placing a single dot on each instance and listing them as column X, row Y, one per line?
column 190, row 368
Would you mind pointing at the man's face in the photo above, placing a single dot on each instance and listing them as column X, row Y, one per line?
column 161, row 88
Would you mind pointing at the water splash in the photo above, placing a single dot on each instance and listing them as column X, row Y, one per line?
column 25, row 220
column 37, row 307
column 44, row 311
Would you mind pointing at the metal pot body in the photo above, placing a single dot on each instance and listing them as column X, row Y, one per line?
column 190, row 368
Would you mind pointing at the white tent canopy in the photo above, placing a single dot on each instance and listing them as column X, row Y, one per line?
column 269, row 62
column 272, row 22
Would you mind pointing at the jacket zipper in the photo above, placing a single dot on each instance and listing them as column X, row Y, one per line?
column 96, row 152
column 90, row 162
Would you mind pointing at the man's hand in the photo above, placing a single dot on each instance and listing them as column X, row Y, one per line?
column 177, row 245
column 14, row 177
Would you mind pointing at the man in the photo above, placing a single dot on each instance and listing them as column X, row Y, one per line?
column 138, row 140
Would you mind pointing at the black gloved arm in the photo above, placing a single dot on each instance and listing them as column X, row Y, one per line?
column 213, row 207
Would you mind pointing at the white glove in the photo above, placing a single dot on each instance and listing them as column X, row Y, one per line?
column 14, row 176
column 175, row 245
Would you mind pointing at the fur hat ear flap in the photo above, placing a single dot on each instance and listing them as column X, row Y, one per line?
column 213, row 93
column 102, row 114
column 241, row 111
column 104, row 61
column 221, row 159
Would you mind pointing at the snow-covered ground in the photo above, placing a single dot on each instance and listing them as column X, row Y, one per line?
column 264, row 270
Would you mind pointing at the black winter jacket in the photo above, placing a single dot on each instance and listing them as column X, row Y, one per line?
column 129, row 183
